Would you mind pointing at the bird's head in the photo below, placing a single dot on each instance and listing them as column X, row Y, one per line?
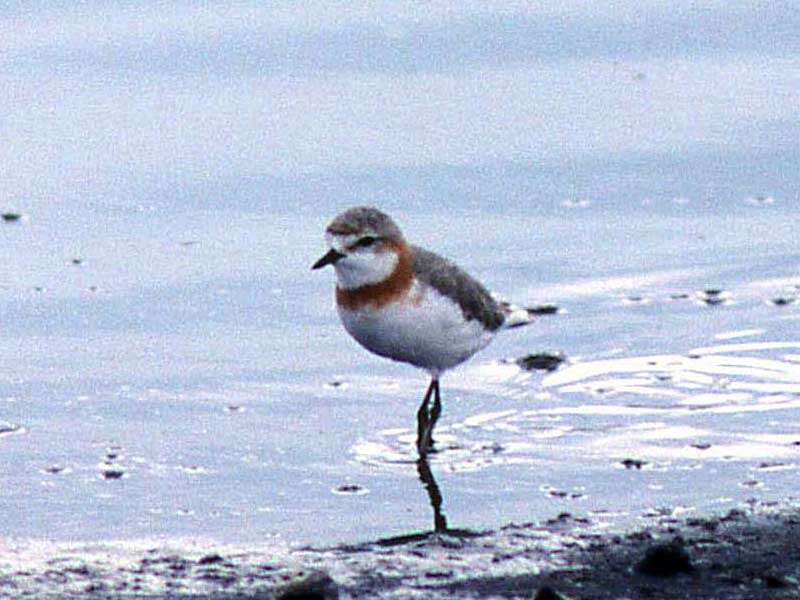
column 365, row 247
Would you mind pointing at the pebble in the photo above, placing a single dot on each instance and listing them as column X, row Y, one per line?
column 775, row 581
column 548, row 593
column 713, row 296
column 543, row 309
column 349, row 488
column 541, row 361
column 665, row 560
column 315, row 586
column 113, row 473
column 8, row 428
column 783, row 300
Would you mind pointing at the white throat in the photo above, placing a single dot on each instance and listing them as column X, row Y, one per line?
column 365, row 268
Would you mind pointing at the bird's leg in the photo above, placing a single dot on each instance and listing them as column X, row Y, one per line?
column 436, row 411
column 425, row 430
column 423, row 421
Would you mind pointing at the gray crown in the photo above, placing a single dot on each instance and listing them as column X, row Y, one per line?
column 365, row 220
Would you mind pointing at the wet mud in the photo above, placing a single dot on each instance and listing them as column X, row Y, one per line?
column 750, row 552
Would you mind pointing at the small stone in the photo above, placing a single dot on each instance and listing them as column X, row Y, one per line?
column 714, row 296
column 561, row 518
column 223, row 578
column 548, row 593
column 771, row 465
column 775, row 581
column 734, row 514
column 707, row 524
column 438, row 574
column 113, row 473
column 542, row 309
column 541, row 361
column 315, row 586
column 349, row 488
column 783, row 301
column 8, row 428
column 665, row 560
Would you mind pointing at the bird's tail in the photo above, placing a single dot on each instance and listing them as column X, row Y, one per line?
column 519, row 316
column 515, row 316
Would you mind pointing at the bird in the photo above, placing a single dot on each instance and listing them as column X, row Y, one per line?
column 410, row 305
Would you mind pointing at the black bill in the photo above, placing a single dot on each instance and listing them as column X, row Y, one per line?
column 329, row 259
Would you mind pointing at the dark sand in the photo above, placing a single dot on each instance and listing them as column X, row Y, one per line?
column 748, row 553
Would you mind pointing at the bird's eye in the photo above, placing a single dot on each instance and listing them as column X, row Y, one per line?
column 366, row 241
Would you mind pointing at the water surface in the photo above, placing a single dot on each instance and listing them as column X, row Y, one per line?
column 171, row 368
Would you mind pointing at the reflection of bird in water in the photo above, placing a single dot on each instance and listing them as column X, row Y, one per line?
column 439, row 520
column 434, row 494
column 408, row 304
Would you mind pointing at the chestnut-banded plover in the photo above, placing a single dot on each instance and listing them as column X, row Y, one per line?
column 405, row 303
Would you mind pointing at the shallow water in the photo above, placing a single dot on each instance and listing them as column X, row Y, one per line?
column 234, row 408
column 171, row 368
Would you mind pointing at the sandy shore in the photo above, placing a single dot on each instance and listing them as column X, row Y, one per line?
column 749, row 553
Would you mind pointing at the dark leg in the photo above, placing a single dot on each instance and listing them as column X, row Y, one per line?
column 423, row 421
column 436, row 412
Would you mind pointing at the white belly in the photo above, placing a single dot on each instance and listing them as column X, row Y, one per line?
column 430, row 333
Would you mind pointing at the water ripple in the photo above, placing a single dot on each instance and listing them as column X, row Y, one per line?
column 662, row 408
